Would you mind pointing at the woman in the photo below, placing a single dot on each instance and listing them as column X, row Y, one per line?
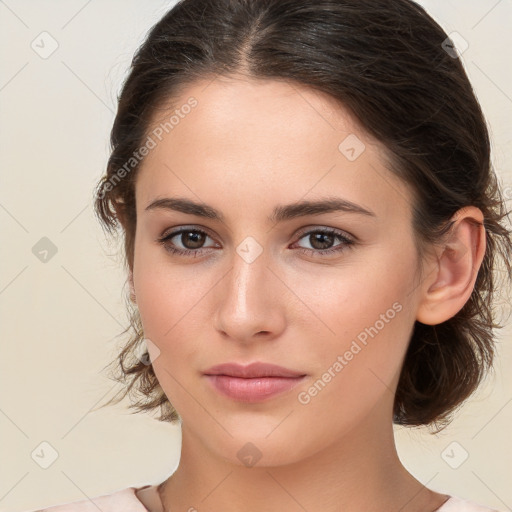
column 311, row 228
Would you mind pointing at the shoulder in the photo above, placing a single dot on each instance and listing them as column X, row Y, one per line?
column 455, row 504
column 124, row 499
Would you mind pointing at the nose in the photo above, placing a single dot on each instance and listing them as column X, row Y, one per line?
column 250, row 301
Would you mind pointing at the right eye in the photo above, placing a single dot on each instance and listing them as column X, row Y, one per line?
column 190, row 239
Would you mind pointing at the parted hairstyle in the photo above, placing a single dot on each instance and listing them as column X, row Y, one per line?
column 396, row 72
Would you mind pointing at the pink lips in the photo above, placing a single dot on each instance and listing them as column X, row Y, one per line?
column 253, row 383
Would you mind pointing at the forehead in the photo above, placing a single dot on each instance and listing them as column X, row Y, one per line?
column 276, row 112
column 256, row 141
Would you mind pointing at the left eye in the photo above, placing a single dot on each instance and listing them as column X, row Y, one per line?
column 192, row 240
column 320, row 238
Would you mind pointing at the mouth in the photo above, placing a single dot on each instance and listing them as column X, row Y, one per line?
column 252, row 383
column 255, row 389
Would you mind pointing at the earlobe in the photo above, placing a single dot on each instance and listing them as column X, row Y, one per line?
column 450, row 285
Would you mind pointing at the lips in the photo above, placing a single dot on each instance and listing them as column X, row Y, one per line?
column 256, row 382
column 253, row 370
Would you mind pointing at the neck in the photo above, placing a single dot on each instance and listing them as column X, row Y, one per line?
column 360, row 471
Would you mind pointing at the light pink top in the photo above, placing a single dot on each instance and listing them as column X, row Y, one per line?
column 146, row 499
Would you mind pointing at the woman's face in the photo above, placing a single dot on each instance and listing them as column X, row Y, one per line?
column 254, row 288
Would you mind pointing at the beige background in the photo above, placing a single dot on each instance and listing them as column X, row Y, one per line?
column 59, row 319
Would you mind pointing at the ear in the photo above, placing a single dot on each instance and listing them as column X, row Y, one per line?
column 132, row 287
column 450, row 284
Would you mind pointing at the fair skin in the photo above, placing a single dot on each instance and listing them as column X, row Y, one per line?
column 247, row 147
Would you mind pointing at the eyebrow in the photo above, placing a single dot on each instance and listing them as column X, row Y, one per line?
column 280, row 213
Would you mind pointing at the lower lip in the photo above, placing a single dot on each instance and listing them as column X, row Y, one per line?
column 256, row 389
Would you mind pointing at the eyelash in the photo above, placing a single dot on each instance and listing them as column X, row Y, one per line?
column 347, row 243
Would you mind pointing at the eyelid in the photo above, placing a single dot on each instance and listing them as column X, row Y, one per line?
column 184, row 227
column 315, row 227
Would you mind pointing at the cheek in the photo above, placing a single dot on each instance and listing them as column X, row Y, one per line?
column 358, row 371
column 167, row 305
column 363, row 322
column 168, row 295
column 173, row 305
column 366, row 296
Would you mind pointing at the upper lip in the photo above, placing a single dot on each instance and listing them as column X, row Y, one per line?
column 257, row 369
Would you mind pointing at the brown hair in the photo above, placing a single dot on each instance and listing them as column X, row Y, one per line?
column 388, row 63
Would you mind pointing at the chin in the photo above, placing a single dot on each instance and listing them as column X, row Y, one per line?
column 252, row 448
